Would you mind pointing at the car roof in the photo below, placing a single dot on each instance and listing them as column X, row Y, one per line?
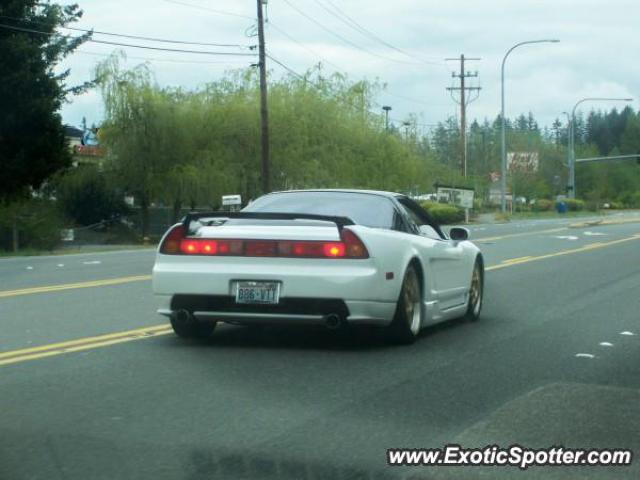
column 380, row 193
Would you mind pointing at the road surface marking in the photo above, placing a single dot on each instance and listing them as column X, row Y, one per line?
column 566, row 237
column 515, row 260
column 33, row 353
column 605, row 344
column 72, row 286
column 628, row 333
column 491, row 239
column 43, row 351
column 591, row 246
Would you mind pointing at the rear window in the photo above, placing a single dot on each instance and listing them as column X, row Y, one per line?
column 363, row 208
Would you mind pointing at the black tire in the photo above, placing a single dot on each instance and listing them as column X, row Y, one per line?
column 405, row 326
column 476, row 292
column 192, row 329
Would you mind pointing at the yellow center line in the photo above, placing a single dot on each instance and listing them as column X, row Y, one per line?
column 72, row 286
column 43, row 351
column 591, row 246
column 523, row 234
column 33, row 353
column 516, row 260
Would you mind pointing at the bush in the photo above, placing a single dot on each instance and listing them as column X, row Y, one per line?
column 443, row 213
column 543, row 205
column 631, row 200
column 592, row 206
column 38, row 223
column 84, row 197
column 574, row 205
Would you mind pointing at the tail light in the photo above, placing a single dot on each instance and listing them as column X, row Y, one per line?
column 172, row 243
column 349, row 246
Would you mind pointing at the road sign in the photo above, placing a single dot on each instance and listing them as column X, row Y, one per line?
column 462, row 197
column 523, row 161
column 231, row 200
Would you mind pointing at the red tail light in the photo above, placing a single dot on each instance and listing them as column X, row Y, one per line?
column 354, row 248
column 171, row 244
column 350, row 246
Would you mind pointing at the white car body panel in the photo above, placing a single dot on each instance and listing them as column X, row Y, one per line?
column 364, row 285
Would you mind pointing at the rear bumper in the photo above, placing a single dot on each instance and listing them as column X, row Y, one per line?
column 310, row 290
column 203, row 308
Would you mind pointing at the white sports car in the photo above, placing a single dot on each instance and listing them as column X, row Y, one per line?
column 331, row 257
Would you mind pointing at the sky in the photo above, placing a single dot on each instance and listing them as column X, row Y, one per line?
column 404, row 46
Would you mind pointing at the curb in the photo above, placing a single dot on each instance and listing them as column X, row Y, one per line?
column 598, row 223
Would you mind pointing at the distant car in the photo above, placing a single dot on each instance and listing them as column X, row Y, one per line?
column 329, row 257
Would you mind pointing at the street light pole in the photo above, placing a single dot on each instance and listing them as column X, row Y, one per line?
column 503, row 176
column 572, row 142
column 386, row 109
column 568, row 137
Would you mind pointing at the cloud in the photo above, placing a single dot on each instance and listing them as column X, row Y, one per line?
column 595, row 56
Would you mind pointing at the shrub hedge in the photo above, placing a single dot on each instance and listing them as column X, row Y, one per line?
column 444, row 213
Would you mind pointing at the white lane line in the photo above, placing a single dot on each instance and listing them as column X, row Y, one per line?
column 566, row 237
column 593, row 234
column 605, row 344
column 92, row 262
column 585, row 355
column 626, row 332
column 29, row 267
column 61, row 264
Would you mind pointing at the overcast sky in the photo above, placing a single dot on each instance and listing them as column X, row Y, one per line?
column 597, row 55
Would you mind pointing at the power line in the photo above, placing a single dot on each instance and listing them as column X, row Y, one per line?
column 134, row 37
column 164, row 60
column 350, row 22
column 308, row 49
column 290, row 70
column 213, row 10
column 408, row 99
column 343, row 39
column 145, row 47
column 316, row 85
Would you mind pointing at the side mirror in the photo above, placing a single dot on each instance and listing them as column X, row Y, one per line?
column 459, row 234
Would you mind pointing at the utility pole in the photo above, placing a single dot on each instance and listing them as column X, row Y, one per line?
column 464, row 101
column 264, row 111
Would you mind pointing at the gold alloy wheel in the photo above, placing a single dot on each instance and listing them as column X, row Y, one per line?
column 475, row 292
column 411, row 300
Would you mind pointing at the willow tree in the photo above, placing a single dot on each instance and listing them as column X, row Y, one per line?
column 139, row 131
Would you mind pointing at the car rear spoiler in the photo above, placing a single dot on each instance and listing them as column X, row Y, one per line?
column 340, row 222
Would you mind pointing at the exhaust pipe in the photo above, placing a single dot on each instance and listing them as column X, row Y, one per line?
column 183, row 317
column 332, row 321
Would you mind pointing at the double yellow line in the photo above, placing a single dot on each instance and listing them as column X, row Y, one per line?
column 88, row 343
column 80, row 344
column 73, row 286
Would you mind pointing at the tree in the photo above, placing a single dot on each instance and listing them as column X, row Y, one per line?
column 85, row 196
column 139, row 131
column 32, row 140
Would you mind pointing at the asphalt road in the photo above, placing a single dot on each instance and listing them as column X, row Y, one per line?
column 93, row 384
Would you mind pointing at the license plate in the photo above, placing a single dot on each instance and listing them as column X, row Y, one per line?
column 258, row 292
